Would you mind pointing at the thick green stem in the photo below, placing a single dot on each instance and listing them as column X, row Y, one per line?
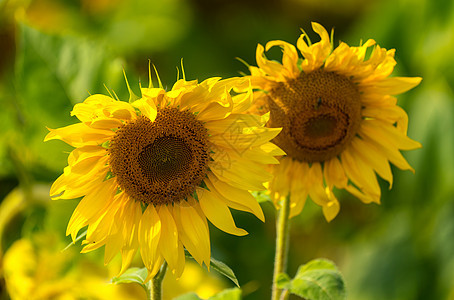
column 282, row 241
column 156, row 284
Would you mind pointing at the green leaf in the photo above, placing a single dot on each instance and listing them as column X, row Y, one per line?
column 188, row 296
column 221, row 268
column 228, row 294
column 133, row 275
column 317, row 264
column 283, row 280
column 319, row 279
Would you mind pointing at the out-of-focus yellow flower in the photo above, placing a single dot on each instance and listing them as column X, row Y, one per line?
column 153, row 171
column 341, row 124
column 194, row 279
column 38, row 269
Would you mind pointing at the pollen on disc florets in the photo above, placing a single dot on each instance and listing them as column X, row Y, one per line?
column 163, row 161
column 320, row 112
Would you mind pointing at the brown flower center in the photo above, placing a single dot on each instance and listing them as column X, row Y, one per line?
column 160, row 162
column 320, row 113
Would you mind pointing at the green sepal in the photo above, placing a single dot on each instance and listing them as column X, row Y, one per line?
column 83, row 234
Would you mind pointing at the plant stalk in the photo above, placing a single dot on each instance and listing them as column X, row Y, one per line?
column 155, row 292
column 282, row 243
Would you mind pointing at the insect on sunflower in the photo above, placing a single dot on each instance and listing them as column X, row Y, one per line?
column 152, row 171
column 340, row 119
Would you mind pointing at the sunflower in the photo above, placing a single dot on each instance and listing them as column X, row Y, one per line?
column 152, row 171
column 341, row 124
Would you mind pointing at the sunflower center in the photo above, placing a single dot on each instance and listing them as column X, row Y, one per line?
column 160, row 162
column 166, row 158
column 320, row 113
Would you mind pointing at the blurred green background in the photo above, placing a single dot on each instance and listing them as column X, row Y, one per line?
column 54, row 53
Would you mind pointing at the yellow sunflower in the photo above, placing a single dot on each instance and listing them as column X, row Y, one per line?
column 151, row 172
column 341, row 124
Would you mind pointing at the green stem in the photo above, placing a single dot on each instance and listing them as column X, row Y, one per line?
column 156, row 284
column 282, row 241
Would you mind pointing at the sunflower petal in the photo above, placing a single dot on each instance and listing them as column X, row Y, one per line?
column 79, row 134
column 147, row 107
column 234, row 197
column 360, row 173
column 218, row 213
column 334, row 173
column 149, row 237
column 90, row 206
column 193, row 232
column 132, row 214
column 376, row 159
column 289, row 57
column 396, row 85
column 272, row 68
column 168, row 245
column 387, row 133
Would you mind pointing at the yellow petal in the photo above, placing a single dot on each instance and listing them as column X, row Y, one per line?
column 376, row 159
column 168, row 244
column 155, row 95
column 149, row 237
column 105, row 123
column 222, row 87
column 289, row 57
column 360, row 173
column 331, row 209
column 215, row 110
column 84, row 152
column 196, row 99
column 234, row 123
column 396, row 85
column 73, row 185
column 89, row 109
column 387, row 133
column 218, row 213
column 298, row 188
column 391, row 114
column 236, row 198
column 243, row 101
column 91, row 205
column 101, row 226
column 272, row 68
column 90, row 246
column 237, row 140
column 238, row 172
column 264, row 154
column 119, row 110
column 283, row 177
column 131, row 214
column 194, row 232
column 315, row 54
column 147, row 107
column 364, row 197
column 297, row 202
column 334, row 173
column 181, row 261
column 390, row 151
column 155, row 268
column 113, row 246
column 79, row 134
